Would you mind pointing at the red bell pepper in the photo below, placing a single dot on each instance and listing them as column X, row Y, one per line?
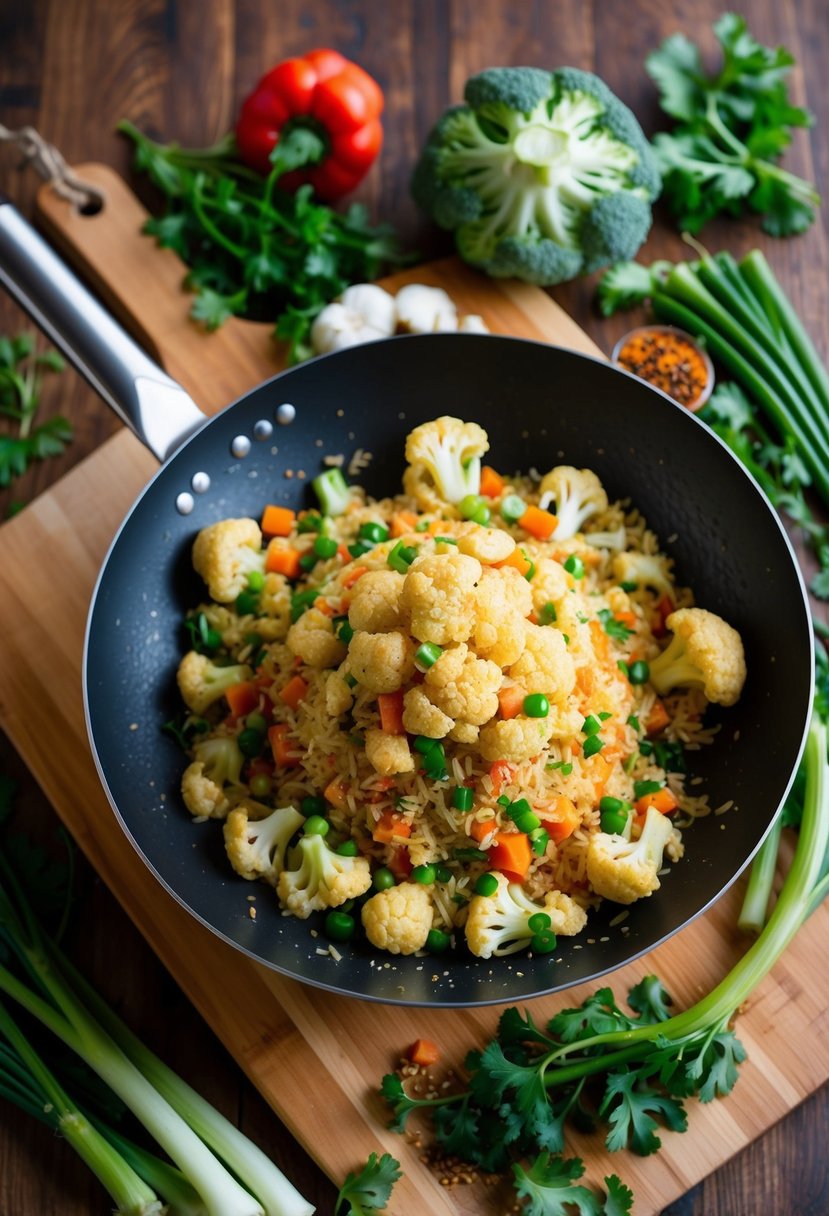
column 328, row 95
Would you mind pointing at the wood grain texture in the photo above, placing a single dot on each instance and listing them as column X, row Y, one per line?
column 74, row 67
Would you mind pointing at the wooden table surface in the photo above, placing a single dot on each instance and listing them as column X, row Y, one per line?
column 72, row 68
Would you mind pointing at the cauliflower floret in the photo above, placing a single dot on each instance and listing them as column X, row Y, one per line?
column 705, row 652
column 489, row 545
column 312, row 638
column 503, row 600
column 338, row 694
column 447, row 456
column 218, row 764
column 614, row 541
column 549, row 585
column 256, row 846
column 399, row 919
column 273, row 616
column 375, row 601
column 225, row 553
column 499, row 924
column 439, row 593
column 322, row 879
column 201, row 682
column 515, row 739
column 577, row 494
column 625, row 871
column 646, row 569
column 464, row 732
column 388, row 754
column 464, row 686
column 545, row 664
column 421, row 717
column 381, row 662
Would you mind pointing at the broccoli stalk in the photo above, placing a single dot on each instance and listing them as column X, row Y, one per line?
column 541, row 175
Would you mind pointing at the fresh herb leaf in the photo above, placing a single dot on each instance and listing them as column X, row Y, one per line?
column 21, row 384
column 650, row 1000
column 732, row 129
column 617, row 630
column 619, row 1201
column 628, row 284
column 371, row 1188
column 629, row 1107
column 548, row 1187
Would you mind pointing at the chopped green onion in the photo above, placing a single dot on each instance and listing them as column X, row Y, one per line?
column 300, row 600
column 308, row 561
column 519, row 807
column 434, row 763
column 256, row 581
column 536, row 705
column 623, row 667
column 629, row 763
column 423, row 526
column 469, row 855
column 348, row 848
column 437, row 941
column 444, row 874
column 574, row 565
column 358, row 548
column 639, row 672
column 633, row 721
column 544, row 942
column 424, row 744
column 604, row 715
column 641, row 788
column 539, row 839
column 592, row 745
column 445, row 540
column 628, row 586
column 401, row 557
column 309, row 523
column 539, row 921
column 528, row 822
column 591, row 725
column 350, row 680
column 426, row 655
column 611, row 804
column 529, row 573
column 462, row 798
column 670, row 756
column 325, row 547
column 646, row 748
column 548, row 614
column 315, row 825
column 374, row 532
column 339, row 926
column 425, row 874
column 486, row 885
column 332, row 490
column 344, row 631
column 512, row 508
column 614, row 822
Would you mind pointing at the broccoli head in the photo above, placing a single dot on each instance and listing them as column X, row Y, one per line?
column 541, row 175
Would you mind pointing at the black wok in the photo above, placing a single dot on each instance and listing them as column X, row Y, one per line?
column 541, row 406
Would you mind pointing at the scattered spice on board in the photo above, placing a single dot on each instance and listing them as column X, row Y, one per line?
column 669, row 360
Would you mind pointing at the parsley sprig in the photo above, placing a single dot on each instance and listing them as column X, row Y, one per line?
column 731, row 130
column 21, row 383
column 370, row 1189
column 252, row 249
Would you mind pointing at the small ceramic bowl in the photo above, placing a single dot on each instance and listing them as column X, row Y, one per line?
column 651, row 372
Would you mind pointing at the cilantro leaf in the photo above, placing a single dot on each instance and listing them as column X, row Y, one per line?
column 599, row 1014
column 619, row 1201
column 627, row 284
column 21, row 384
column 514, row 1029
column 714, row 1069
column 613, row 628
column 627, row 1106
column 549, row 1190
column 650, row 1000
column 732, row 129
column 370, row 1189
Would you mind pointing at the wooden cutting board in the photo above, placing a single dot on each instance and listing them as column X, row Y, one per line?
column 317, row 1058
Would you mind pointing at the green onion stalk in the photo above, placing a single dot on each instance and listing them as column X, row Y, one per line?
column 180, row 1122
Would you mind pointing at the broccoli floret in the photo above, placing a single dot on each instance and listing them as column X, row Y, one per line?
column 541, row 175
column 705, row 652
column 624, row 870
column 508, row 920
column 322, row 879
column 256, row 847
column 577, row 494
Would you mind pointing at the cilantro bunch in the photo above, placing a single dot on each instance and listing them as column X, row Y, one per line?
column 252, row 249
column 731, row 130
column 21, row 382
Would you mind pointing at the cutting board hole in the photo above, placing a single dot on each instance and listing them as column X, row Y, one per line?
column 93, row 206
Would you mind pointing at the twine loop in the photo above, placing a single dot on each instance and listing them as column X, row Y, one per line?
column 46, row 160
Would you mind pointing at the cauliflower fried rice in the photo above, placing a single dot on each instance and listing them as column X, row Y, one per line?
column 459, row 714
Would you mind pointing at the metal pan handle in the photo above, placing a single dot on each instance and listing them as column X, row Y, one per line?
column 155, row 407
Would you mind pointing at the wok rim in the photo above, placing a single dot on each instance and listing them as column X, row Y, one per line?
column 438, row 1003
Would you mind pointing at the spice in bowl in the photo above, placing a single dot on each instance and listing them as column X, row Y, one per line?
column 670, row 360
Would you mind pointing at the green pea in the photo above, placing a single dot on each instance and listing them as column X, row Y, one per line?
column 544, row 942
column 424, row 874
column 325, row 547
column 251, row 743
column 512, row 508
column 486, row 885
column 256, row 721
column 538, row 922
column 315, row 825
column 260, row 785
column 373, row 532
column 548, row 614
column 639, row 672
column 256, row 581
column 574, row 565
column 348, row 848
column 247, row 603
column 383, row 879
column 340, row 927
column 608, row 803
column 536, row 705
column 470, row 505
column 437, row 941
column 614, row 822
